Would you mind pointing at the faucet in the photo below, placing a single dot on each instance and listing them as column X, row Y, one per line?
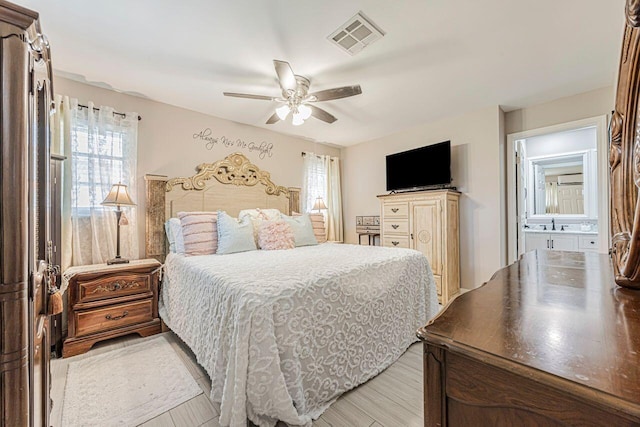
column 553, row 224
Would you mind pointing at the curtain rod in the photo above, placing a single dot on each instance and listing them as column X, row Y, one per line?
column 318, row 156
column 97, row 109
column 115, row 112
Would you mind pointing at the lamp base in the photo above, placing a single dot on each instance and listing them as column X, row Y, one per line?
column 118, row 261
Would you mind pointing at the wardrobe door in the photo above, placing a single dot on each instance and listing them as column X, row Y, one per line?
column 426, row 233
column 40, row 249
column 14, row 280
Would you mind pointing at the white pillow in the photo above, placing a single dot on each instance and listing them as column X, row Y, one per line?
column 173, row 228
column 302, row 229
column 233, row 235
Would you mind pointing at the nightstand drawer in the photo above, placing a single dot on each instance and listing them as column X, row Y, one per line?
column 112, row 317
column 396, row 226
column 113, row 285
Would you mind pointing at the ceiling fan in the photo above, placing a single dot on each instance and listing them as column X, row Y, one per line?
column 296, row 98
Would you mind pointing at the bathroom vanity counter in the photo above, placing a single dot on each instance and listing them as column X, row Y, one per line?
column 557, row 231
column 568, row 240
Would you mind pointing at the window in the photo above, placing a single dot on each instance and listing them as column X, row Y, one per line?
column 96, row 166
column 103, row 150
column 315, row 181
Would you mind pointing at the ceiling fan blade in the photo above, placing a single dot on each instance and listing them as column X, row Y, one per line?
column 285, row 75
column 273, row 119
column 336, row 93
column 247, row 95
column 319, row 113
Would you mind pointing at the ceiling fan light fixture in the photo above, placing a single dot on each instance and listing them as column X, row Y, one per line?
column 304, row 111
column 297, row 120
column 283, row 111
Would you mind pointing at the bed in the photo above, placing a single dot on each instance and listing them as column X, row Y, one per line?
column 284, row 333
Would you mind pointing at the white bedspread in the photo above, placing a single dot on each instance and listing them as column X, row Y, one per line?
column 283, row 333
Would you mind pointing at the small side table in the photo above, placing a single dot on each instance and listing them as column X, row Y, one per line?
column 107, row 301
column 372, row 238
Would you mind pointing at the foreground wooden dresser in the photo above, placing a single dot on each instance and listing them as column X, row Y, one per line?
column 548, row 341
column 111, row 301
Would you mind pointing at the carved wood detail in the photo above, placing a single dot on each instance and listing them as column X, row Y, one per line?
column 633, row 13
column 624, row 158
column 234, row 169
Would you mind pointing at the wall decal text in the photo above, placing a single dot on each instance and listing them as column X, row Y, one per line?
column 263, row 149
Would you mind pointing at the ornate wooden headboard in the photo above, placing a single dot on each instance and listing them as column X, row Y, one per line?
column 624, row 157
column 250, row 188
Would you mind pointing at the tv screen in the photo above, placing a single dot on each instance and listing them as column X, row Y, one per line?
column 422, row 167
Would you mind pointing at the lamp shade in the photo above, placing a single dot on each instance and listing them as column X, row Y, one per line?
column 319, row 204
column 118, row 196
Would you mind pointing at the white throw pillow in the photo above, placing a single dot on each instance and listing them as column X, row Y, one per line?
column 233, row 235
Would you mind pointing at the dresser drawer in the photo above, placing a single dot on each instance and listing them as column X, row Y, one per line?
column 395, row 210
column 588, row 242
column 112, row 317
column 396, row 226
column 396, row 242
column 113, row 285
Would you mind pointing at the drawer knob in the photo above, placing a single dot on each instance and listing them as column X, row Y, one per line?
column 593, row 243
column 395, row 226
column 394, row 243
column 394, row 210
column 123, row 315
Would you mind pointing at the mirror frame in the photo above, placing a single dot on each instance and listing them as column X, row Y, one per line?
column 590, row 186
column 624, row 157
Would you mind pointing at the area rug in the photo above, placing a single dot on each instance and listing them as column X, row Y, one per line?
column 126, row 387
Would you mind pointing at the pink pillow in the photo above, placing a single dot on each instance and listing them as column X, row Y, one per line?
column 200, row 232
column 274, row 235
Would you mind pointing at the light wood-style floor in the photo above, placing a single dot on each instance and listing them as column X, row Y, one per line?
column 393, row 398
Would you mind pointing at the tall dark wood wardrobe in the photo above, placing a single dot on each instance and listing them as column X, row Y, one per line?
column 25, row 107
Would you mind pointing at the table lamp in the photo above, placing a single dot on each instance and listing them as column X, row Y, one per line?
column 118, row 196
column 319, row 204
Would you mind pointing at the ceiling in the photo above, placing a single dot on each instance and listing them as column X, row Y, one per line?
column 438, row 58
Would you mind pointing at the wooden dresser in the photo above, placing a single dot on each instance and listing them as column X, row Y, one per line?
column 427, row 221
column 110, row 301
column 549, row 340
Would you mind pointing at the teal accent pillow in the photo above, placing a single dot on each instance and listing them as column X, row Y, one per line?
column 233, row 235
column 302, row 229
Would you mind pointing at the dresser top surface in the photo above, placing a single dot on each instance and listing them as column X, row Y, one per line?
column 557, row 312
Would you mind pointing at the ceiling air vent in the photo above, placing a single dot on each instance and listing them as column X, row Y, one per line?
column 356, row 34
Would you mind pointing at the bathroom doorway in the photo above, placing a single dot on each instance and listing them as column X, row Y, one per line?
column 558, row 188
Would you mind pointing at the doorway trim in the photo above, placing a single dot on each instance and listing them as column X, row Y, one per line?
column 602, row 151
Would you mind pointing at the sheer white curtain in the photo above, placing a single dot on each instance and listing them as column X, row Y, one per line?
column 61, row 144
column 322, row 179
column 103, row 150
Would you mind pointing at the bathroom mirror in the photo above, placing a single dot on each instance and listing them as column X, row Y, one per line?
column 561, row 185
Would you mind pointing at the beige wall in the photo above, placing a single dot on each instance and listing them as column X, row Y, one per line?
column 476, row 171
column 166, row 145
column 585, row 105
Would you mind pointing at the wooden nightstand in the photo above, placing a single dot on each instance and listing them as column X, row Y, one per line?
column 107, row 301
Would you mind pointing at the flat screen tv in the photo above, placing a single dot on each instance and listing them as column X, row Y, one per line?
column 428, row 166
